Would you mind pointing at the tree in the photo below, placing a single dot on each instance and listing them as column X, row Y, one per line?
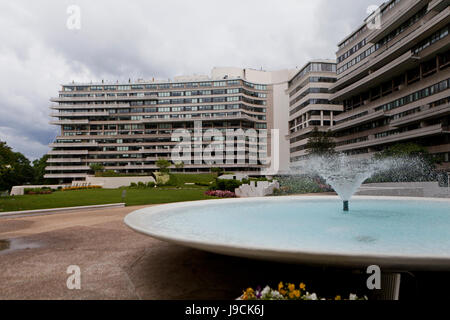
column 39, row 166
column 320, row 143
column 97, row 167
column 406, row 150
column 217, row 171
column 15, row 168
column 413, row 162
column 163, row 165
column 179, row 165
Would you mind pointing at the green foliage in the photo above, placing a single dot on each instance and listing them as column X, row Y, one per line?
column 15, row 168
column 38, row 190
column 39, row 166
column 301, row 185
column 226, row 185
column 407, row 150
column 97, row 167
column 179, row 165
column 161, row 178
column 320, row 143
column 141, row 185
column 217, row 171
column 417, row 165
column 151, row 185
column 163, row 165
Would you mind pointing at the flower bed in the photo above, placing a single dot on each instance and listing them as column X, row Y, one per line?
column 32, row 191
column 220, row 194
column 81, row 188
column 288, row 292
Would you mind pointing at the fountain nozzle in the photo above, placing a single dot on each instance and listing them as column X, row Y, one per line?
column 345, row 205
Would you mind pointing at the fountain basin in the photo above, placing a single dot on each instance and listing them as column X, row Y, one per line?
column 392, row 232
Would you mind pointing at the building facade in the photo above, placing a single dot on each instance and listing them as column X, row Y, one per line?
column 393, row 80
column 310, row 106
column 127, row 127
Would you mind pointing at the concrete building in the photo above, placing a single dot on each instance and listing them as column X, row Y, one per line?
column 393, row 80
column 309, row 104
column 127, row 127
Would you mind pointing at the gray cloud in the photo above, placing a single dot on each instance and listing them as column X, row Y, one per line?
column 143, row 39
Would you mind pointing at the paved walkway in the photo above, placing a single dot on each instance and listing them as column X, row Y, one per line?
column 115, row 262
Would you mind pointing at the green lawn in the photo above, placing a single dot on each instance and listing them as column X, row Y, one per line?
column 133, row 197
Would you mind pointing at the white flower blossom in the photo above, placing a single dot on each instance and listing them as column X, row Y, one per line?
column 353, row 297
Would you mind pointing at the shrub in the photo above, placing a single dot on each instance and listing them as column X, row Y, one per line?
column 220, row 194
column 133, row 185
column 81, row 188
column 151, row 184
column 32, row 191
column 226, row 185
column 302, row 185
column 141, row 185
column 161, row 178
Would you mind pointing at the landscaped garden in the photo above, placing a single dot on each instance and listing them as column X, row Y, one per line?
column 182, row 187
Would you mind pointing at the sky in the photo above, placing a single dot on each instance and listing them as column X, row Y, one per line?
column 42, row 46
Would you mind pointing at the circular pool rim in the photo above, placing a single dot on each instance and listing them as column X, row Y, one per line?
column 391, row 262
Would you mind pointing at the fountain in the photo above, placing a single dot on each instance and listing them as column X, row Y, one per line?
column 345, row 175
column 394, row 233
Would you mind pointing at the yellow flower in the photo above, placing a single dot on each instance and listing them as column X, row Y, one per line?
column 302, row 286
column 283, row 292
column 337, row 298
column 297, row 293
column 291, row 295
column 280, row 286
column 291, row 287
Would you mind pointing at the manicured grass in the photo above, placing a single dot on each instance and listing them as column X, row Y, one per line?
column 133, row 197
column 203, row 178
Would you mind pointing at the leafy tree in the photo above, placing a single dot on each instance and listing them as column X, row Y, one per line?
column 320, row 143
column 179, row 165
column 413, row 163
column 97, row 167
column 407, row 150
column 15, row 168
column 163, row 165
column 39, row 166
column 217, row 171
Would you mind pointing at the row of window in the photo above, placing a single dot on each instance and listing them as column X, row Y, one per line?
column 307, row 92
column 421, row 94
column 165, row 86
column 312, row 80
column 314, row 67
column 309, row 102
column 439, row 35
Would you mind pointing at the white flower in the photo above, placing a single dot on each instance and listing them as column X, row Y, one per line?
column 277, row 295
column 353, row 297
column 312, row 296
column 265, row 291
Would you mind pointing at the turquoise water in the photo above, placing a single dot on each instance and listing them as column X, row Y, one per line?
column 381, row 227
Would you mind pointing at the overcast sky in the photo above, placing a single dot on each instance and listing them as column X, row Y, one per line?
column 121, row 39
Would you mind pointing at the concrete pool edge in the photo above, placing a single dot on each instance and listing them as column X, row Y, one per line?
column 391, row 262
